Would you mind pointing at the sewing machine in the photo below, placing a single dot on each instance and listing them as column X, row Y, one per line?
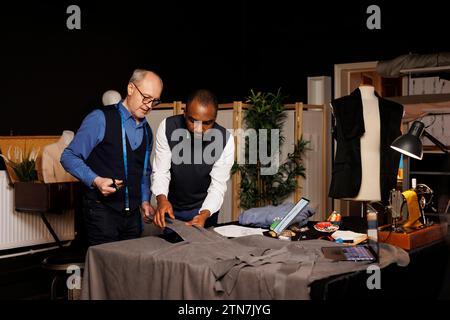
column 407, row 208
column 410, row 228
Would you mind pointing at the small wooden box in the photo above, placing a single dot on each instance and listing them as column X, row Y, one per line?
column 43, row 197
column 416, row 238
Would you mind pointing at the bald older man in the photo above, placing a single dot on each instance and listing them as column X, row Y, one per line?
column 110, row 154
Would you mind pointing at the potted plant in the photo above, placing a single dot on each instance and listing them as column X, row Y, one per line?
column 30, row 194
column 267, row 111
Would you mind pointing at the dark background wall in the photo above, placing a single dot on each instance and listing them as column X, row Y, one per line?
column 51, row 77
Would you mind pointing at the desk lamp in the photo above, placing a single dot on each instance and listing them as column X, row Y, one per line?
column 410, row 145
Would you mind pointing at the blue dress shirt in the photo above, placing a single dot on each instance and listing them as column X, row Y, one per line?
column 90, row 134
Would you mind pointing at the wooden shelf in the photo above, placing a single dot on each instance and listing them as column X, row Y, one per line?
column 425, row 70
column 430, row 173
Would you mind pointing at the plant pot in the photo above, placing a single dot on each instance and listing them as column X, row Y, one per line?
column 43, row 197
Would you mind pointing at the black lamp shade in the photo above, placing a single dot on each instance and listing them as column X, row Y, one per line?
column 410, row 144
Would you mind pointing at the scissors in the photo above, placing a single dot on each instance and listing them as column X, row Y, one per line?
column 114, row 185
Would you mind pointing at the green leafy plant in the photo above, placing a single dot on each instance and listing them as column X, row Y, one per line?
column 267, row 111
column 23, row 164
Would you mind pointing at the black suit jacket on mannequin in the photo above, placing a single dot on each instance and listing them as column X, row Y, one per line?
column 347, row 171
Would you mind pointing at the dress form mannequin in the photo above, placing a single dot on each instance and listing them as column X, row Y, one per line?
column 52, row 170
column 365, row 168
column 370, row 147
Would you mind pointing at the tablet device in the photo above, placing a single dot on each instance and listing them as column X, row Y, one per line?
column 290, row 216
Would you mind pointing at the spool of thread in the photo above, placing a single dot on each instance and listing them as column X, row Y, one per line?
column 413, row 183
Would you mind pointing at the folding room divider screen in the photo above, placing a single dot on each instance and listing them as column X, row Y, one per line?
column 309, row 120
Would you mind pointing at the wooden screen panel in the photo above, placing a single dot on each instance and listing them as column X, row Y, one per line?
column 225, row 119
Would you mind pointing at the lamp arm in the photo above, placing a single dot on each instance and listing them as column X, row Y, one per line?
column 435, row 141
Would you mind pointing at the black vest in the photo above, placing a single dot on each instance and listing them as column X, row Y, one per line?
column 190, row 180
column 106, row 160
column 347, row 171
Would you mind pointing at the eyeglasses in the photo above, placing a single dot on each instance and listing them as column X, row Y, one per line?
column 147, row 99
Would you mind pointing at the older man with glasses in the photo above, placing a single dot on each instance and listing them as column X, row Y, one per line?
column 110, row 154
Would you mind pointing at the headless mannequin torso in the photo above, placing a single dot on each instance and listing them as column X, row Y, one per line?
column 370, row 147
column 364, row 165
column 67, row 137
column 52, row 169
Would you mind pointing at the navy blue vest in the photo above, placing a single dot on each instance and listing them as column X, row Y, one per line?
column 106, row 160
column 190, row 181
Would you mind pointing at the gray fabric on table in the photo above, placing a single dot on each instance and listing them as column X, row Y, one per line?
column 192, row 233
column 209, row 266
column 263, row 217
column 284, row 262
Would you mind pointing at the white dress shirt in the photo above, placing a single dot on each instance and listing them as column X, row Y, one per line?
column 220, row 172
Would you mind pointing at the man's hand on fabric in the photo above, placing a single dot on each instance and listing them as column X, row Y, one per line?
column 164, row 207
column 107, row 186
column 200, row 219
column 147, row 212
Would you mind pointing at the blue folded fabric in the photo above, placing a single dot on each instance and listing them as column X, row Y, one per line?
column 263, row 217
